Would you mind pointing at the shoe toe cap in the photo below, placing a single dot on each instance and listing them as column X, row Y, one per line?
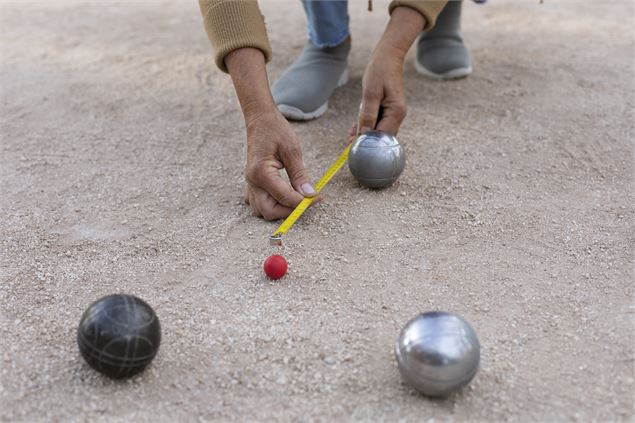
column 445, row 59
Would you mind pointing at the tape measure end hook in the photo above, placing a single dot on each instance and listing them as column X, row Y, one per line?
column 276, row 239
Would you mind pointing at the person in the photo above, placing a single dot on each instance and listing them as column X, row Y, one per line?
column 236, row 30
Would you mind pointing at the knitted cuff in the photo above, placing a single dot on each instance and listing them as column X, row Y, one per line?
column 430, row 9
column 234, row 24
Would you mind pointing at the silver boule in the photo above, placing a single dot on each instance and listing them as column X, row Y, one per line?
column 376, row 159
column 437, row 353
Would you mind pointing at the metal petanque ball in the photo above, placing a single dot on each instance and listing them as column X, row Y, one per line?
column 376, row 159
column 119, row 335
column 437, row 353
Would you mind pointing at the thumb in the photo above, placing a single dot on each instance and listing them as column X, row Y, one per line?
column 299, row 177
column 368, row 112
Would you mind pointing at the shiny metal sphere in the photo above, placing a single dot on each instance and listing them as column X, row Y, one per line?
column 376, row 159
column 437, row 353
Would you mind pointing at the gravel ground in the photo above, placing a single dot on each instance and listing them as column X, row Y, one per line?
column 122, row 152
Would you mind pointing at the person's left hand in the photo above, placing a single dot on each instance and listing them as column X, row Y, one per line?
column 382, row 86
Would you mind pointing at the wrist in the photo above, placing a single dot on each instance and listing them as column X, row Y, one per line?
column 390, row 53
column 402, row 30
column 258, row 109
column 266, row 116
column 249, row 75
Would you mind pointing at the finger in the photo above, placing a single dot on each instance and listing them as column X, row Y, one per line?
column 317, row 199
column 253, row 205
column 353, row 131
column 389, row 125
column 368, row 112
column 282, row 192
column 267, row 178
column 269, row 208
column 392, row 119
column 294, row 165
column 246, row 194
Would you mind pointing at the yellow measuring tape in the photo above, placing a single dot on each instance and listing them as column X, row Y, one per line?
column 276, row 238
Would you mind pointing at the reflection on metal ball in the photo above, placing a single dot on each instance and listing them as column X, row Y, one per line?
column 376, row 159
column 437, row 353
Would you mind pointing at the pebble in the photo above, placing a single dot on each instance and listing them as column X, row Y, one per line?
column 329, row 360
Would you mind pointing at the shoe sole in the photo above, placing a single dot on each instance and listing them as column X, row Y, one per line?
column 293, row 113
column 451, row 74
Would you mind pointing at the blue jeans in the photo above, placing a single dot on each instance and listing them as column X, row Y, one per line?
column 327, row 22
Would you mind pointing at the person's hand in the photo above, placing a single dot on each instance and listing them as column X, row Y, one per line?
column 271, row 147
column 271, row 143
column 382, row 85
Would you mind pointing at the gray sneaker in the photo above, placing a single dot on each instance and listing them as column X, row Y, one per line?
column 441, row 53
column 303, row 90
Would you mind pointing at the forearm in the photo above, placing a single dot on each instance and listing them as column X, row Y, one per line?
column 402, row 30
column 249, row 75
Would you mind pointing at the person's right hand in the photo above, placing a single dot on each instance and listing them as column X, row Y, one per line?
column 272, row 146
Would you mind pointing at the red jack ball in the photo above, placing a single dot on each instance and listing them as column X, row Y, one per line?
column 275, row 266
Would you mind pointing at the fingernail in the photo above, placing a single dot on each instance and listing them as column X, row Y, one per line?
column 307, row 189
column 365, row 129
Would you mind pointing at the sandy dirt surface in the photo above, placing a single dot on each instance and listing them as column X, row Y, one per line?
column 121, row 171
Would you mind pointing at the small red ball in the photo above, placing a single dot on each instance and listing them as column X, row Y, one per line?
column 275, row 267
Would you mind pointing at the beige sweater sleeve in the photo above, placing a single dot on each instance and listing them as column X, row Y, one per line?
column 430, row 9
column 234, row 24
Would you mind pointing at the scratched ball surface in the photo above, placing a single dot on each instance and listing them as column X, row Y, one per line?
column 376, row 159
column 437, row 353
column 119, row 335
column 275, row 267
